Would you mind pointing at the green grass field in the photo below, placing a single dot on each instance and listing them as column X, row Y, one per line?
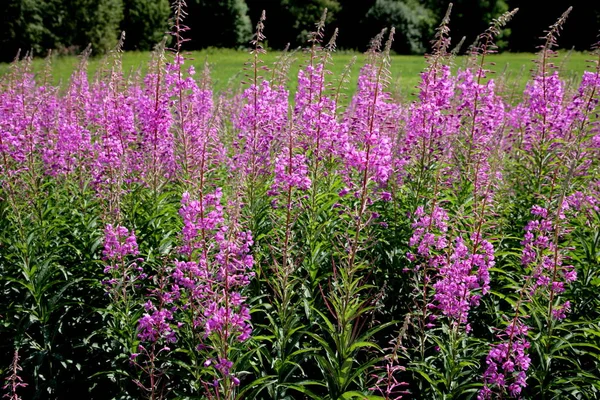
column 227, row 67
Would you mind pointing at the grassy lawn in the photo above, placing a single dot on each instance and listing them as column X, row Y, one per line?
column 227, row 67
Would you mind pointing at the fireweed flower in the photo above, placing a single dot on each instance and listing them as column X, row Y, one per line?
column 458, row 280
column 545, row 261
column 430, row 122
column 11, row 144
column 156, row 153
column 48, row 136
column 458, row 269
column 205, row 290
column 590, row 84
column 119, row 243
column 119, row 246
column 209, row 284
column 290, row 172
column 429, row 235
column 429, row 238
column 155, row 324
column 66, row 147
column 67, row 143
column 546, row 116
column 65, row 138
column 315, row 115
column 544, row 98
column 489, row 108
column 311, row 85
column 260, row 126
column 79, row 97
column 20, row 130
column 199, row 216
column 234, row 258
column 460, row 274
column 114, row 145
column 371, row 122
column 482, row 115
column 227, row 321
column 198, row 147
column 507, row 363
column 586, row 201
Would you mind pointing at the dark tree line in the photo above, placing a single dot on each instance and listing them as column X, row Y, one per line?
column 68, row 26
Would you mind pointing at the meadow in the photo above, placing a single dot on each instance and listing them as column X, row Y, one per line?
column 226, row 67
column 302, row 230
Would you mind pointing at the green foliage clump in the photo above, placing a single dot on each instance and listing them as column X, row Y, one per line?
column 94, row 22
column 221, row 23
column 410, row 18
column 68, row 26
column 470, row 17
column 29, row 25
column 145, row 22
column 305, row 13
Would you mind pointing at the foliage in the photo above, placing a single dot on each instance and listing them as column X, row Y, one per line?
column 410, row 18
column 64, row 25
column 161, row 240
column 30, row 26
column 470, row 17
column 222, row 23
column 303, row 14
column 69, row 26
column 144, row 23
column 92, row 22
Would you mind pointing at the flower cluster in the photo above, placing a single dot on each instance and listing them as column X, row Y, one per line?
column 544, row 259
column 200, row 217
column 460, row 278
column 459, row 270
column 203, row 293
column 429, row 236
column 507, row 362
column 371, row 122
column 291, row 171
column 431, row 122
column 549, row 116
column 155, row 324
column 14, row 381
column 119, row 246
column 119, row 243
column 315, row 115
column 261, row 124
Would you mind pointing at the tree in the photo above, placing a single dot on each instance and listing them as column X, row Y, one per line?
column 66, row 25
column 355, row 32
column 145, row 23
column 29, row 25
column 413, row 23
column 306, row 13
column 290, row 21
column 470, row 18
column 535, row 16
column 218, row 23
column 94, row 22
